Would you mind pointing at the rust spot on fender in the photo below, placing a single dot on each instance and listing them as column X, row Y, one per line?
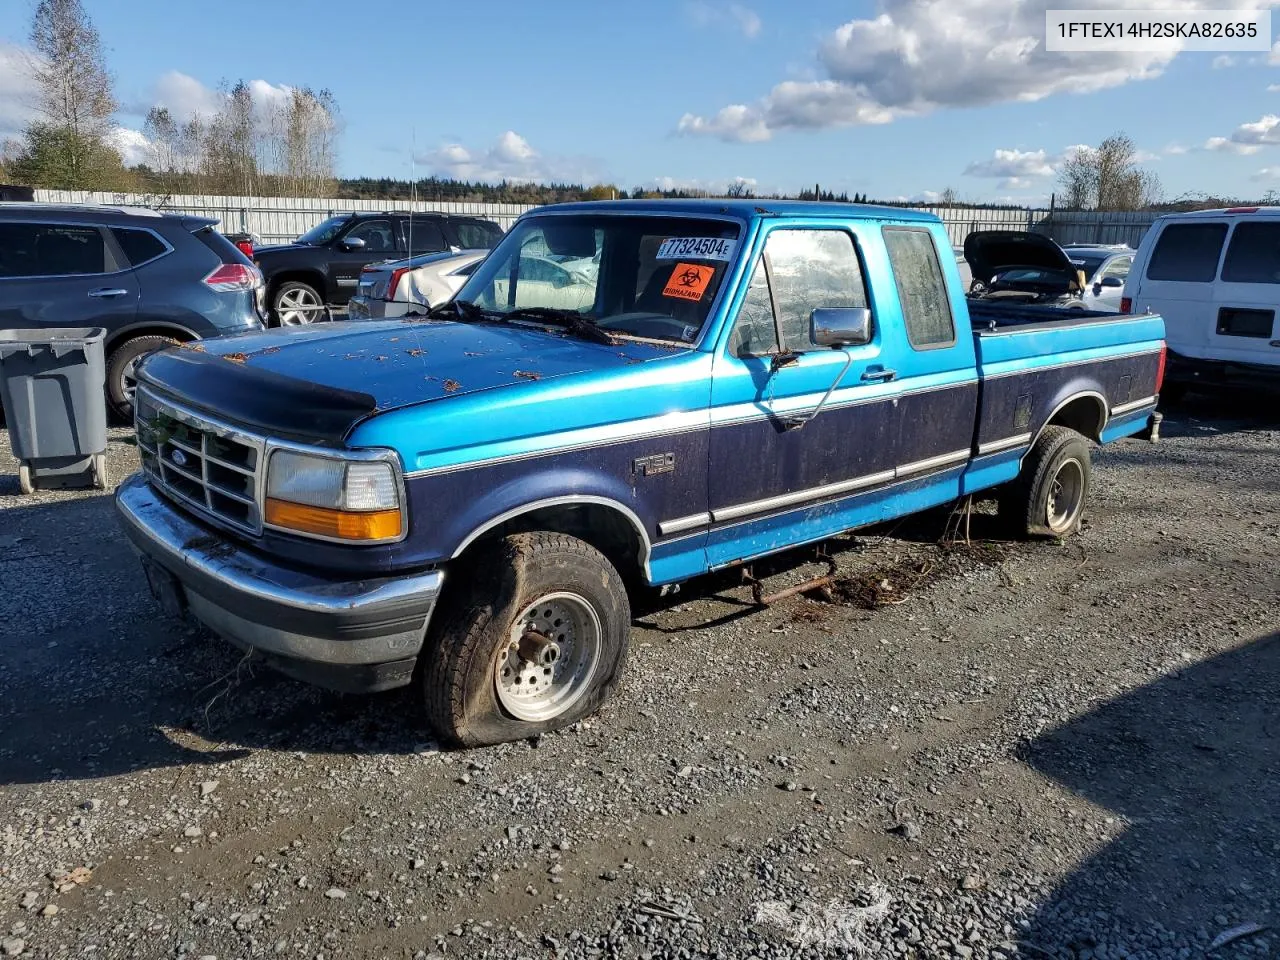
column 451, row 385
column 415, row 351
column 528, row 375
column 235, row 357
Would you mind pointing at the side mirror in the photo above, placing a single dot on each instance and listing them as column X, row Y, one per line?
column 1112, row 282
column 352, row 243
column 840, row 326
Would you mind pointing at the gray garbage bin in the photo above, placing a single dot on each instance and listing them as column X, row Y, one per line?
column 51, row 383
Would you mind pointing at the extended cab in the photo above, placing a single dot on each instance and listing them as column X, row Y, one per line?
column 463, row 500
column 322, row 267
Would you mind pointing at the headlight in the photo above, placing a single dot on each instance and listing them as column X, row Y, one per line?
column 357, row 500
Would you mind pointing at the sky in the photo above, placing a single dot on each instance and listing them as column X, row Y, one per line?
column 899, row 99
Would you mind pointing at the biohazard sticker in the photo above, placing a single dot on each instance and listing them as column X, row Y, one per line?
column 700, row 248
column 688, row 281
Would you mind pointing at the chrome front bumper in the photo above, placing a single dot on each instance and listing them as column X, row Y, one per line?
column 353, row 635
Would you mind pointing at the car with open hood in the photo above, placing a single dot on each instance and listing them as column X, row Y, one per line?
column 1021, row 266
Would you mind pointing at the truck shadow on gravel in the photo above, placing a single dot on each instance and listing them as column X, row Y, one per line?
column 1191, row 762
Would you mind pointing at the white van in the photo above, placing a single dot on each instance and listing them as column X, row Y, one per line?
column 1214, row 275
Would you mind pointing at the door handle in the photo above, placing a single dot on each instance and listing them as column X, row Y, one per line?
column 879, row 374
column 108, row 292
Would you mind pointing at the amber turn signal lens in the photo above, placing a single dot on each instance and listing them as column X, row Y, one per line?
column 339, row 524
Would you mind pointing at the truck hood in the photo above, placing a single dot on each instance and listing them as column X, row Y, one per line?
column 317, row 382
column 990, row 252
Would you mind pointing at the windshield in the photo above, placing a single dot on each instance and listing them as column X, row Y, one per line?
column 646, row 276
column 323, row 232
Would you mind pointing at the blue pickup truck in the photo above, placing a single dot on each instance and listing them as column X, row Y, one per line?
column 623, row 394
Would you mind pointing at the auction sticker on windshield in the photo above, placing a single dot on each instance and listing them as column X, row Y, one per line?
column 688, row 281
column 701, row 248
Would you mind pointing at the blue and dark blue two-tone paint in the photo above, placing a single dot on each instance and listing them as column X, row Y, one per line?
column 705, row 457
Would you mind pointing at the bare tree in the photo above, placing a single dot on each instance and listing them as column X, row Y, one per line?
column 164, row 137
column 1108, row 178
column 948, row 197
column 68, row 146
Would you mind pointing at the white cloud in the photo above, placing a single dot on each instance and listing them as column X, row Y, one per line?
column 1273, row 88
column 1267, row 174
column 1249, row 137
column 134, row 148
column 1175, row 150
column 17, row 90
column 734, row 15
column 697, row 185
column 1223, row 61
column 186, row 97
column 1273, row 58
column 1012, row 164
column 918, row 56
column 511, row 158
column 734, row 122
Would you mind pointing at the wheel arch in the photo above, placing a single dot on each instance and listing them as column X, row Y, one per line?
column 147, row 328
column 611, row 527
column 308, row 275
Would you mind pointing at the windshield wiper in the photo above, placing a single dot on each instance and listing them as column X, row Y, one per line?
column 570, row 320
column 463, row 310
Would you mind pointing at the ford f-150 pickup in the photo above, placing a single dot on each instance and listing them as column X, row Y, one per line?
column 463, row 500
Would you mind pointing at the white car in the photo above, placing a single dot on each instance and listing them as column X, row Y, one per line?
column 394, row 288
column 1214, row 275
column 546, row 281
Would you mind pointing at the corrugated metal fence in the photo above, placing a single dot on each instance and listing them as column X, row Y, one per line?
column 276, row 219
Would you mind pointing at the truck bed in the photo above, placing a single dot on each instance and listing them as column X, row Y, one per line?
column 992, row 314
column 1097, row 372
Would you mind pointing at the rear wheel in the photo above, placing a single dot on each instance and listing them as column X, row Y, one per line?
column 122, row 368
column 534, row 641
column 296, row 304
column 1047, row 499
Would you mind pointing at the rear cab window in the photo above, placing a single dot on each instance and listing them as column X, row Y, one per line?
column 922, row 291
column 1187, row 252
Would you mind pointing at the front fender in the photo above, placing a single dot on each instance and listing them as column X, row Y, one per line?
column 451, row 516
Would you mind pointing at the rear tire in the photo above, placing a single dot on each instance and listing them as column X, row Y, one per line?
column 1047, row 498
column 534, row 640
column 121, row 366
column 296, row 304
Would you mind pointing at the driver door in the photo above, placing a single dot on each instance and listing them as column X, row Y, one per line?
column 767, row 459
column 378, row 243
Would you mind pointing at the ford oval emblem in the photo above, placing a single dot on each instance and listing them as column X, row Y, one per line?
column 179, row 458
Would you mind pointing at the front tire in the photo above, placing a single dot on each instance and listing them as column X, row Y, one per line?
column 1047, row 499
column 121, row 365
column 533, row 641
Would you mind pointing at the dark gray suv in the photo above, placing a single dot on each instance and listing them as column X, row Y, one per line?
column 150, row 279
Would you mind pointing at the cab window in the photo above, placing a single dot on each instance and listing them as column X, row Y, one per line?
column 800, row 270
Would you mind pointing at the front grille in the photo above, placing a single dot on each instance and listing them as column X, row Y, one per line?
column 210, row 466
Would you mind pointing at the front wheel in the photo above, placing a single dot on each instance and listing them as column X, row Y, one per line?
column 1047, row 499
column 534, row 641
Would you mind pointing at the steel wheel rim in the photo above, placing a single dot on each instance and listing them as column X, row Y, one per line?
column 1066, row 496
column 550, row 657
column 297, row 307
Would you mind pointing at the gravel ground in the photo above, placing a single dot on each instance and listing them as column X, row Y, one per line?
column 1048, row 750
